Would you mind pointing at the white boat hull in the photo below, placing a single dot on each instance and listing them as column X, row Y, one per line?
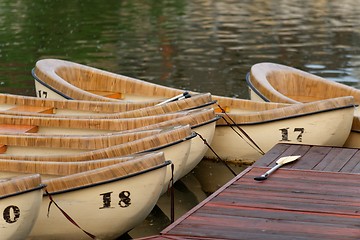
column 353, row 141
column 254, row 96
column 19, row 214
column 106, row 211
column 198, row 147
column 177, row 153
column 329, row 128
column 44, row 92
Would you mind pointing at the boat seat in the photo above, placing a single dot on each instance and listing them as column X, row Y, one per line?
column 3, row 148
column 34, row 109
column 304, row 99
column 114, row 95
column 11, row 128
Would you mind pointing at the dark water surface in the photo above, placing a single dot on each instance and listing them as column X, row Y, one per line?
column 200, row 45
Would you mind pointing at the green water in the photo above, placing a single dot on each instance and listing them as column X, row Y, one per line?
column 201, row 45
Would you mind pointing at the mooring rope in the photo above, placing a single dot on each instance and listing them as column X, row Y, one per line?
column 257, row 148
column 171, row 190
column 66, row 215
column 212, row 150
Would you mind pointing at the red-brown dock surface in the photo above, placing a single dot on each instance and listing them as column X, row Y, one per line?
column 316, row 197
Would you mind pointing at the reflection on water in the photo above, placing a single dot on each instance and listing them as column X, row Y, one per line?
column 200, row 45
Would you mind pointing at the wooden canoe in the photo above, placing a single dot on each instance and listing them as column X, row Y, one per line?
column 61, row 79
column 32, row 106
column 202, row 122
column 52, row 169
column 284, row 84
column 70, row 126
column 72, row 81
column 106, row 202
column 20, row 201
column 174, row 142
column 326, row 122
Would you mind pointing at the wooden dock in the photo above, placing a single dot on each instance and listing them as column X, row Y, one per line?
column 316, row 197
column 318, row 158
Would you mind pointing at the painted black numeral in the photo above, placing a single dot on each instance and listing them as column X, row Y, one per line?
column 285, row 134
column 11, row 214
column 124, row 199
column 42, row 94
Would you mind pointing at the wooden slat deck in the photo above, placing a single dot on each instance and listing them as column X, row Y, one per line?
column 320, row 158
column 296, row 202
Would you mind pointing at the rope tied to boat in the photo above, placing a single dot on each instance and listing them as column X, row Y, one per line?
column 212, row 150
column 170, row 191
column 66, row 215
column 253, row 143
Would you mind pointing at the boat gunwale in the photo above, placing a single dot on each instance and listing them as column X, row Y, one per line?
column 164, row 164
column 253, row 88
column 292, row 116
column 48, row 86
column 101, row 150
column 40, row 186
column 217, row 117
column 191, row 136
column 201, row 106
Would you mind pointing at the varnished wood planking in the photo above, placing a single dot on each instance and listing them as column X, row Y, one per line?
column 290, row 204
column 230, row 227
column 336, row 159
column 320, row 158
column 351, row 165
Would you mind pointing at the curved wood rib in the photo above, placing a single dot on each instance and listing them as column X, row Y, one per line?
column 32, row 106
column 284, row 84
column 150, row 143
column 19, row 184
column 68, row 168
column 103, row 174
column 292, row 110
column 77, row 81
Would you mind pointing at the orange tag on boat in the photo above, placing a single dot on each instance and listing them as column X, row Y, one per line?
column 219, row 110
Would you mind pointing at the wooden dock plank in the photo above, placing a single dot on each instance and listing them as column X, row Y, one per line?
column 312, row 158
column 335, row 162
column 356, row 169
column 291, row 204
column 250, row 212
column 320, row 158
column 353, row 165
column 315, row 197
column 272, row 155
column 233, row 227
